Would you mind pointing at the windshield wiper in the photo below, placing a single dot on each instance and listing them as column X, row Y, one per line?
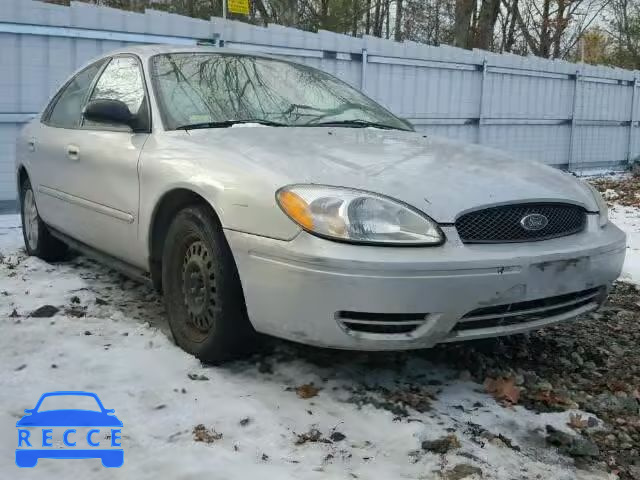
column 300, row 106
column 353, row 124
column 229, row 123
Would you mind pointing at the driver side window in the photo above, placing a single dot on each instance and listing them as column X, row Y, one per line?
column 120, row 80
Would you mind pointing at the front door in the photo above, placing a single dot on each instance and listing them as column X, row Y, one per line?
column 106, row 165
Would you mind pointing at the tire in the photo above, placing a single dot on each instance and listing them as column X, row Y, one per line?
column 38, row 241
column 202, row 290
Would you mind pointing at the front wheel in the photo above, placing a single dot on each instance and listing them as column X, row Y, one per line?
column 38, row 241
column 202, row 290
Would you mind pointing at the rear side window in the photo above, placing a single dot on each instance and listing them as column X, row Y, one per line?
column 67, row 109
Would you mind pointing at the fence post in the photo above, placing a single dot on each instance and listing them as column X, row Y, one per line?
column 572, row 133
column 363, row 75
column 634, row 85
column 482, row 94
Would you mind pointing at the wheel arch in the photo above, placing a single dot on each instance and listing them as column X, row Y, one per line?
column 169, row 204
column 21, row 176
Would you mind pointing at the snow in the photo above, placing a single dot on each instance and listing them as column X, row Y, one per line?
column 248, row 125
column 122, row 351
column 628, row 219
column 590, row 173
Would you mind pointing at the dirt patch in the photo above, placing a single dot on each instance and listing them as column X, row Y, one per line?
column 621, row 190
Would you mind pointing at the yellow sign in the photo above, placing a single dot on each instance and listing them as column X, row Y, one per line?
column 239, row 6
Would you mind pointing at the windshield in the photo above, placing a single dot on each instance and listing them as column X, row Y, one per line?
column 208, row 88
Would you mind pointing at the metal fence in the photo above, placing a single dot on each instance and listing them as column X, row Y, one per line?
column 568, row 115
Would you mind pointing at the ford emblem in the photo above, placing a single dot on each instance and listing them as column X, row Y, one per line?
column 534, row 222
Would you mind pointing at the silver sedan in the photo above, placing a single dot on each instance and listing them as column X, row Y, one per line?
column 261, row 195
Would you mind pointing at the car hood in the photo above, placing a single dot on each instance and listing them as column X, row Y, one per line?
column 442, row 177
column 69, row 418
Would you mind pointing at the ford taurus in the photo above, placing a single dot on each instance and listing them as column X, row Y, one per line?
column 261, row 195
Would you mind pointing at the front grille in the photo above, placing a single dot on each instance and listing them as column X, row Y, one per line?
column 529, row 311
column 503, row 224
column 380, row 323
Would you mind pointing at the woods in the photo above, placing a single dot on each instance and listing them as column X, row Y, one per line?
column 594, row 31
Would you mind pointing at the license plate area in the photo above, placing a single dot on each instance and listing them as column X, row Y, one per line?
column 559, row 276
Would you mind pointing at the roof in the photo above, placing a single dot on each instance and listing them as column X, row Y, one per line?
column 146, row 51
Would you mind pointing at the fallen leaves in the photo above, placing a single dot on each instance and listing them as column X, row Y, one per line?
column 313, row 435
column 551, row 399
column 504, row 390
column 577, row 422
column 308, row 390
column 625, row 191
column 203, row 434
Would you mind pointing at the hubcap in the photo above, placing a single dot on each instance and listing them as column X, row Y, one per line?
column 198, row 286
column 30, row 214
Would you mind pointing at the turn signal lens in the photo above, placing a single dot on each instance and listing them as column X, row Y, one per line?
column 294, row 206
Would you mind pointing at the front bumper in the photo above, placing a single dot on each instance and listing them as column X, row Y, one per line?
column 299, row 289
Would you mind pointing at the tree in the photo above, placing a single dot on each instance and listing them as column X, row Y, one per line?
column 473, row 27
column 552, row 28
column 398, row 28
column 624, row 30
column 486, row 24
column 429, row 21
column 462, row 27
column 607, row 30
column 594, row 47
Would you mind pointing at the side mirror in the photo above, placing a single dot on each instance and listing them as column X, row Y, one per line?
column 29, row 410
column 108, row 111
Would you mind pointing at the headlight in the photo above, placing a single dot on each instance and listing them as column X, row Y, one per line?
column 357, row 216
column 603, row 209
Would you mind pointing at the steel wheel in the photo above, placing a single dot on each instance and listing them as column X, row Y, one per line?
column 199, row 287
column 31, row 224
column 202, row 290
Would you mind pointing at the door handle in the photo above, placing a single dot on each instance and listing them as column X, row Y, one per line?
column 31, row 144
column 73, row 152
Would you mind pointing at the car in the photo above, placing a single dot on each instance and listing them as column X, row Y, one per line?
column 262, row 196
column 45, row 417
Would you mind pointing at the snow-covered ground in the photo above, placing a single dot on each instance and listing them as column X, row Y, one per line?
column 628, row 219
column 110, row 337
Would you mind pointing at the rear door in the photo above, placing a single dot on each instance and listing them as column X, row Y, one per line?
column 49, row 165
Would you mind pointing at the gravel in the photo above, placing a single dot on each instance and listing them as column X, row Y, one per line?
column 606, row 383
